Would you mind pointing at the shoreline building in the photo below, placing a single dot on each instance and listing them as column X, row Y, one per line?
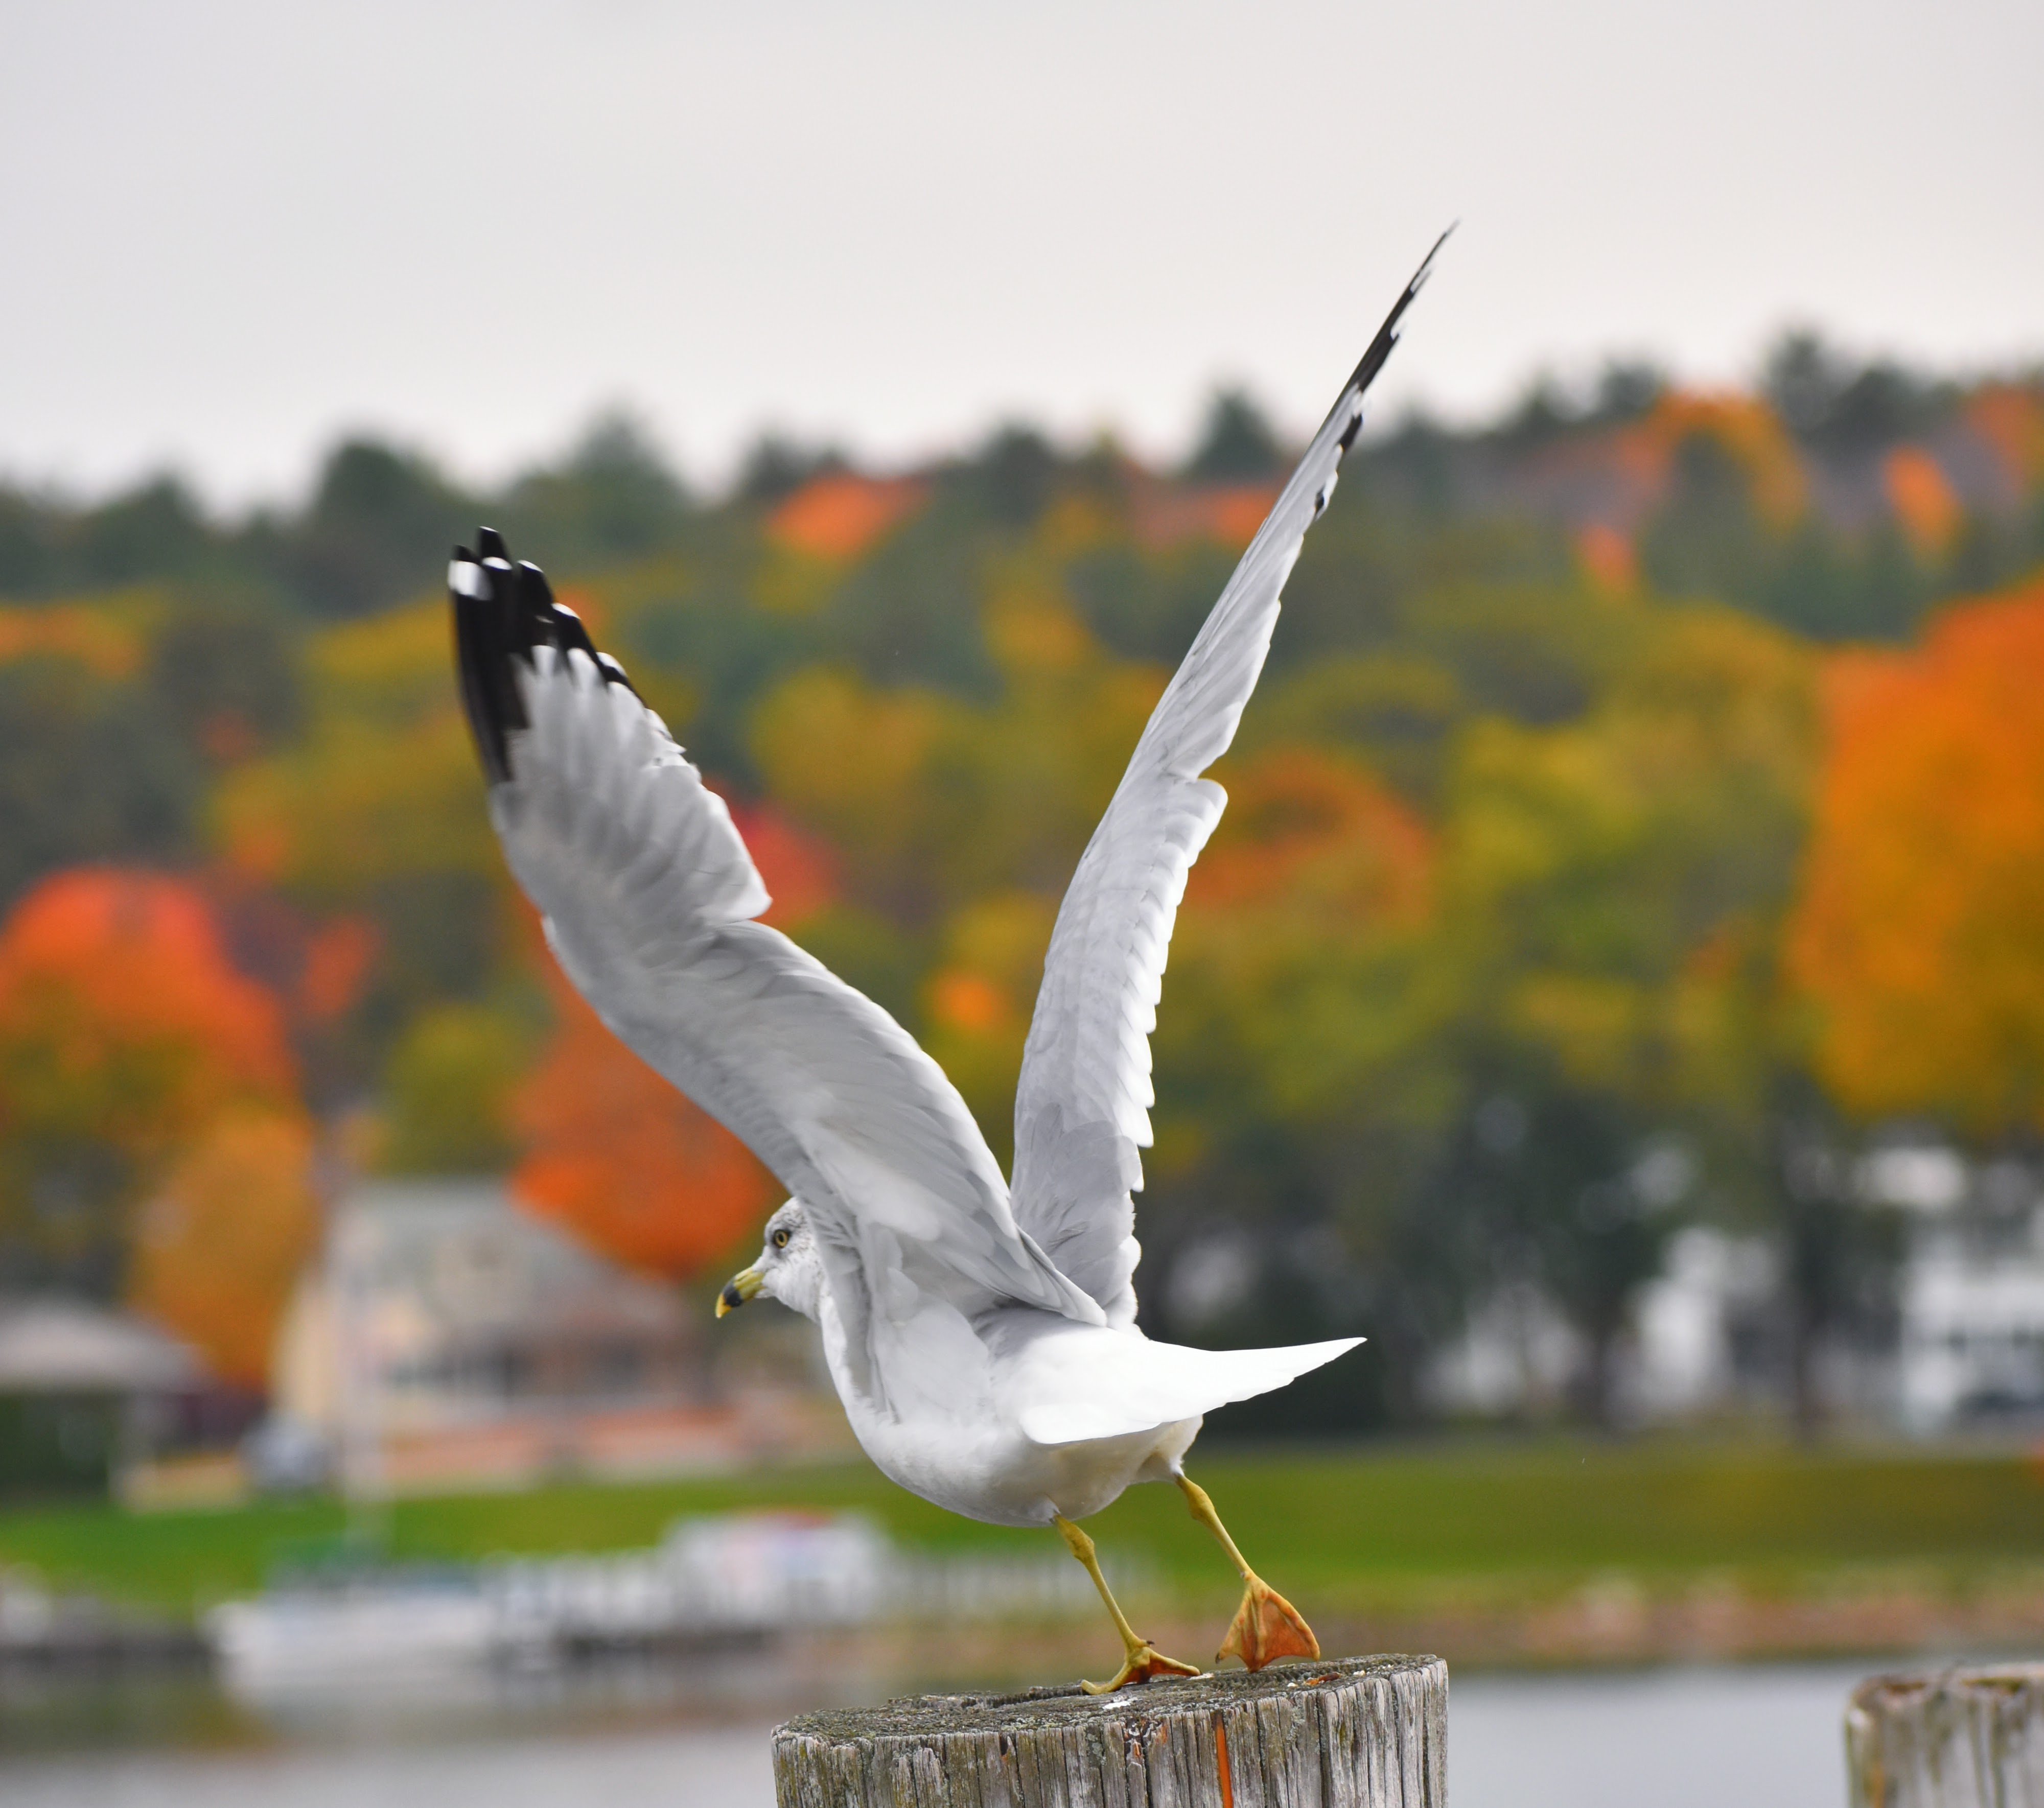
column 85, row 1391
column 1957, row 1345
column 444, row 1337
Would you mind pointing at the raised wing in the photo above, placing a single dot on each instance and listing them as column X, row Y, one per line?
column 1082, row 1106
column 649, row 895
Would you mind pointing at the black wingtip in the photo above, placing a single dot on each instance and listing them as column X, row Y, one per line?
column 1372, row 360
column 483, row 647
column 503, row 612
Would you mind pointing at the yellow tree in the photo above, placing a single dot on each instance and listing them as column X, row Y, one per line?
column 220, row 1243
column 1612, row 889
column 374, row 822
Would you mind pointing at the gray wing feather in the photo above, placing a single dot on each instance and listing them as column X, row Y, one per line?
column 649, row 895
column 1082, row 1104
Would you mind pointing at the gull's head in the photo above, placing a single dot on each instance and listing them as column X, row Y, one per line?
column 789, row 1268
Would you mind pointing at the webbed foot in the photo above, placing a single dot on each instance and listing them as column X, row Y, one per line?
column 1143, row 1663
column 1266, row 1627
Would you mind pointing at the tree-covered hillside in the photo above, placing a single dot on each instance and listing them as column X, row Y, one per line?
column 1529, row 936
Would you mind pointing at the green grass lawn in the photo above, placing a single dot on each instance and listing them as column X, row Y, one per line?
column 1375, row 1522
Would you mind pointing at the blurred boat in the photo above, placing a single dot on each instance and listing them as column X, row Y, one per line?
column 389, row 1630
column 711, row 1582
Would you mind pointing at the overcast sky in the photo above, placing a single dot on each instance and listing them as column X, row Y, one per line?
column 230, row 231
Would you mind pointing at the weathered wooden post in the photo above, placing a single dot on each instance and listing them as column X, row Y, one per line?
column 1955, row 1739
column 1341, row 1732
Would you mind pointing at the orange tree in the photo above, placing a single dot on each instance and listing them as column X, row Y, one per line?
column 1916, row 952
column 611, row 1150
column 126, row 1033
column 614, row 1154
column 1919, row 941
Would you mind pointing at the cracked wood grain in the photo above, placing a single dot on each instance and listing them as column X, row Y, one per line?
column 1343, row 1733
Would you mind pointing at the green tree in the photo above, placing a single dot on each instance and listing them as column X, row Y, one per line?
column 1236, row 444
column 377, row 532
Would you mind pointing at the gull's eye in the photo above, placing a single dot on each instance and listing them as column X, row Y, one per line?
column 780, row 1239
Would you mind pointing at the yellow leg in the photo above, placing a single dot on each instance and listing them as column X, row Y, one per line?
column 1142, row 1660
column 1266, row 1626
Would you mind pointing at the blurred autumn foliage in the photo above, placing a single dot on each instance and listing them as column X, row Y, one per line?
column 1920, row 936
column 220, row 1243
column 614, row 1152
column 130, row 1045
column 840, row 514
column 1627, row 802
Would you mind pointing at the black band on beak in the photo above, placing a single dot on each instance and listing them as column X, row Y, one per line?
column 731, row 1298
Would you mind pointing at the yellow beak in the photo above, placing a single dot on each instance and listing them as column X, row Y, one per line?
column 743, row 1286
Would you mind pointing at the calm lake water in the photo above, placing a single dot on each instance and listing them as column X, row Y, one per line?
column 1764, row 1737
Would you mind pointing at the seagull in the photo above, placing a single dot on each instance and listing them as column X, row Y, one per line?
column 981, row 1334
